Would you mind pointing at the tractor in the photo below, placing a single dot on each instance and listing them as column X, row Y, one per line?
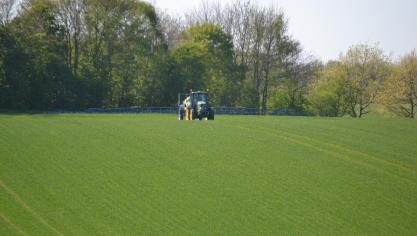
column 194, row 106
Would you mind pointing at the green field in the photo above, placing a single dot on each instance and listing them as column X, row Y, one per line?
column 237, row 175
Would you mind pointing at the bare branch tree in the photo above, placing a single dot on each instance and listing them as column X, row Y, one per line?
column 171, row 27
column 6, row 10
column 71, row 15
column 204, row 12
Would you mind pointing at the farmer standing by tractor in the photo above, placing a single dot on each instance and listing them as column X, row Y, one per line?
column 187, row 103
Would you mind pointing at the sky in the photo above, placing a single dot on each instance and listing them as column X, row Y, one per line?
column 327, row 28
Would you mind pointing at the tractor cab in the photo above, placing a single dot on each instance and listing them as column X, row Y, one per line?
column 199, row 98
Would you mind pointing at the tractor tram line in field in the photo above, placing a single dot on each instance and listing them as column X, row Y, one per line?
column 14, row 226
column 378, row 164
column 334, row 150
column 22, row 203
column 296, row 139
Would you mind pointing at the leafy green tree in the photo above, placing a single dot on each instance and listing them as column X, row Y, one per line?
column 287, row 96
column 38, row 31
column 366, row 69
column 217, row 71
column 327, row 94
column 123, row 46
column 351, row 84
column 400, row 89
column 247, row 97
column 186, row 70
column 290, row 90
column 14, row 72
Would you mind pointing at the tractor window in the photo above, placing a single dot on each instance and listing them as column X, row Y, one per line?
column 200, row 97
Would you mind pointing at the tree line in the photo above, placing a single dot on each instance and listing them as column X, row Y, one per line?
column 74, row 54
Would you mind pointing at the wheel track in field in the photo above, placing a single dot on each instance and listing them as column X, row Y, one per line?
column 332, row 153
column 295, row 138
column 344, row 148
column 19, row 230
column 27, row 207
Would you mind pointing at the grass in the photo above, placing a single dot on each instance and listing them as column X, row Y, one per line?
column 238, row 175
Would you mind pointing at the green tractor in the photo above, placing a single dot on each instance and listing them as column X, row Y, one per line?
column 194, row 106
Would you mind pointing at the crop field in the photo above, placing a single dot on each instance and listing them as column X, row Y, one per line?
column 237, row 175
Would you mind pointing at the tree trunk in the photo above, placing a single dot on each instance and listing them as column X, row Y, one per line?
column 69, row 49
column 76, row 53
column 265, row 95
column 257, row 78
column 258, row 88
column 353, row 111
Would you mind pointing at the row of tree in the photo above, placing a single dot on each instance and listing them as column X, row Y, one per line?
column 73, row 54
column 362, row 78
column 81, row 53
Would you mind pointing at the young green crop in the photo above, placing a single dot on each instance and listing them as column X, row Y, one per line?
column 237, row 175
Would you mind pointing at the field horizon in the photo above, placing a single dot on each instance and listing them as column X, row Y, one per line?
column 82, row 174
